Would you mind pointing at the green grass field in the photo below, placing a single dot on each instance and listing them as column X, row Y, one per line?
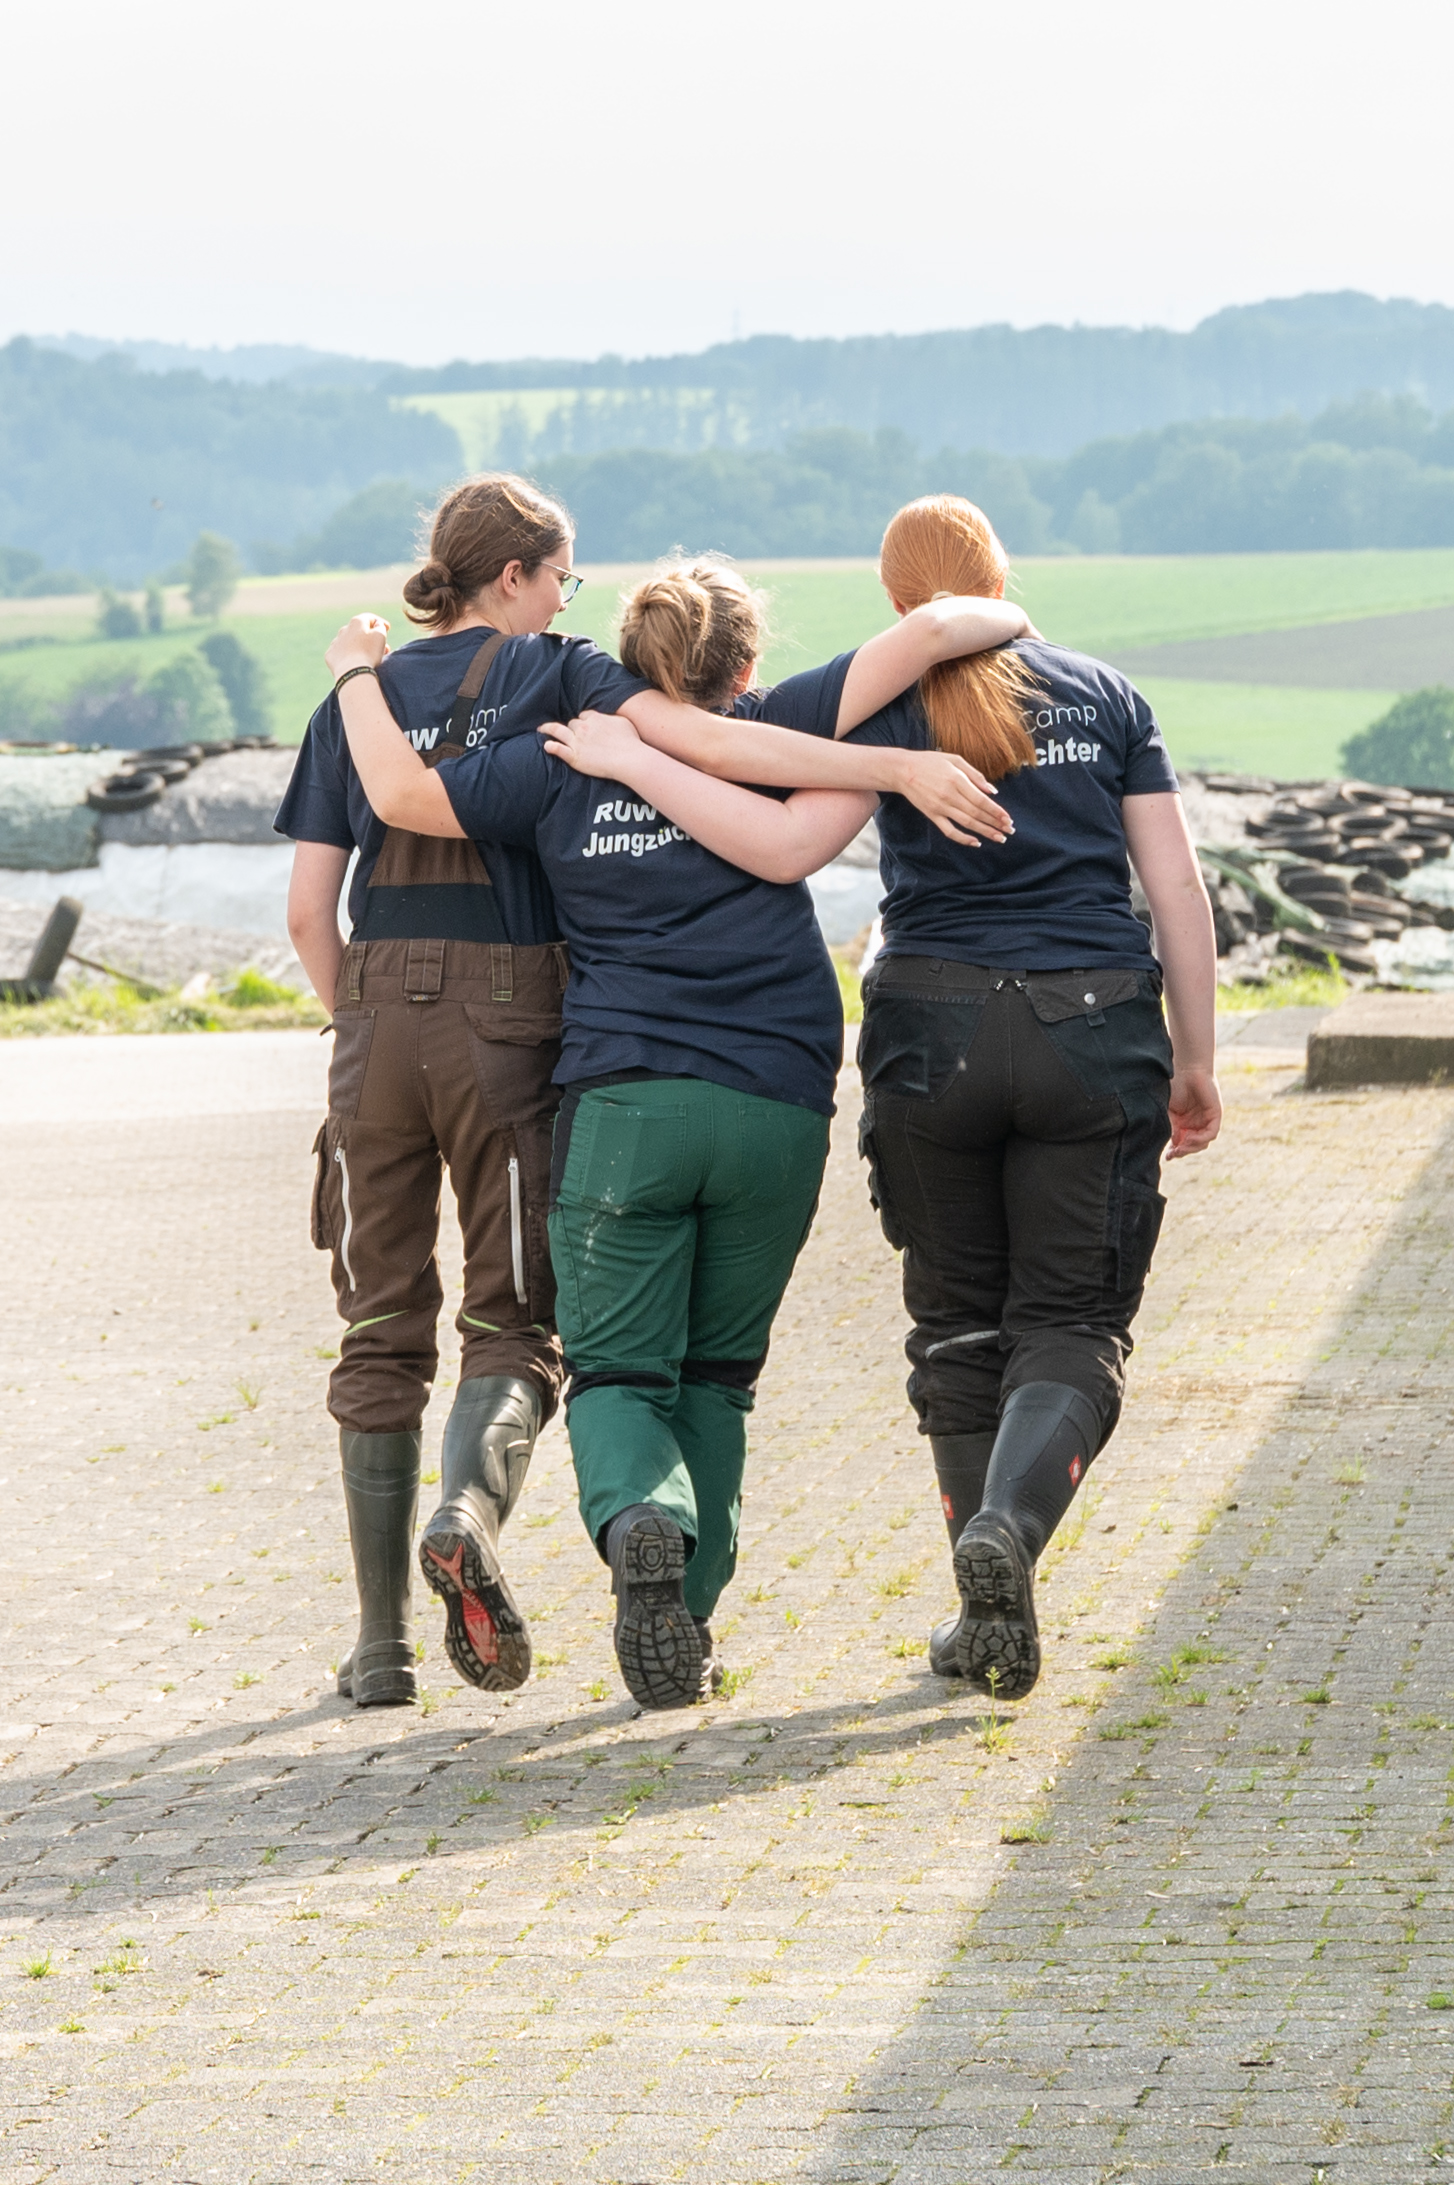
column 1096, row 605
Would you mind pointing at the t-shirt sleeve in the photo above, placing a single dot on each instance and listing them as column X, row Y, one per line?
column 498, row 791
column 897, row 724
column 1149, row 771
column 591, row 681
column 807, row 702
column 315, row 803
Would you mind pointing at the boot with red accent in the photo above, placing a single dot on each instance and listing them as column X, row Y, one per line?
column 487, row 1447
column 381, row 1492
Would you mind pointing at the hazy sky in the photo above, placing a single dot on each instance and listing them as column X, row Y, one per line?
column 570, row 176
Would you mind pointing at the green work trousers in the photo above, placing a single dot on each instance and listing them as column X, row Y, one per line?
column 680, row 1210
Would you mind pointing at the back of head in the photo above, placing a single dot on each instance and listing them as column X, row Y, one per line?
column 693, row 628
column 477, row 530
column 943, row 546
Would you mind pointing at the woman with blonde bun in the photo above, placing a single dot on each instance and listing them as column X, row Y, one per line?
column 1019, row 1082
column 702, row 1038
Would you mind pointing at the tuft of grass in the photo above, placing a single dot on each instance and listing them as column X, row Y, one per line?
column 1351, row 1475
column 243, row 1679
column 1029, row 1828
column 432, row 1842
column 898, row 1584
column 71, row 2025
column 1290, row 985
column 1439, row 2001
column 268, row 1857
column 38, row 1968
column 1320, row 1696
column 249, row 1391
column 217, row 1487
column 195, row 1623
column 534, row 1822
column 1115, row 1657
column 734, row 1680
column 598, row 1690
column 904, row 1650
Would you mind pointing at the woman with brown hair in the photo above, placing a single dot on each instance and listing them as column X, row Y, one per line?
column 1019, row 1082
column 447, row 1007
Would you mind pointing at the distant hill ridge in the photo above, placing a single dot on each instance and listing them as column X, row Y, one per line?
column 1042, row 390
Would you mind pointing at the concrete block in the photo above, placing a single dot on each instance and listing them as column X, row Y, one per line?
column 1384, row 1039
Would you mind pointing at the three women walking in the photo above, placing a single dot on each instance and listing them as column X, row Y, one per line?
column 1019, row 1084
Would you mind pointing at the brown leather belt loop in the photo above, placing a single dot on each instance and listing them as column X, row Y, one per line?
column 502, row 971
column 353, row 964
column 424, row 971
column 562, row 964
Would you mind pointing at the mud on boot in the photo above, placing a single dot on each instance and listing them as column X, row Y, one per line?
column 997, row 1630
column 487, row 1445
column 658, row 1643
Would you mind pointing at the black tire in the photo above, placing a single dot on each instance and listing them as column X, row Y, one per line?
column 187, row 755
column 126, row 792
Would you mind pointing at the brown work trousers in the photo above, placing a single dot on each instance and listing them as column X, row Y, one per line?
column 442, row 1054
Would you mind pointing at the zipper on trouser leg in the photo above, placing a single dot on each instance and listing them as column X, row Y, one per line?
column 347, row 1219
column 517, row 1232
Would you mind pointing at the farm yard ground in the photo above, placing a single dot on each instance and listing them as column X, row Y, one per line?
column 1186, row 1910
column 1266, row 662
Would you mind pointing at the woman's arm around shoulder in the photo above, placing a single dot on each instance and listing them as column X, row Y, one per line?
column 401, row 789
column 1165, row 860
column 780, row 842
column 942, row 629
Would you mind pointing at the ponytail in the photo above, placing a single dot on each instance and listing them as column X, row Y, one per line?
column 943, row 548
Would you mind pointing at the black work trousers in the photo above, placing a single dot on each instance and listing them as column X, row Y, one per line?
column 1014, row 1124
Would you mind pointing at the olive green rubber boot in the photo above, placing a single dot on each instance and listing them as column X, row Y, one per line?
column 381, row 1494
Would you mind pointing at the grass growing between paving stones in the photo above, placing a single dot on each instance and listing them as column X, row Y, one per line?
column 250, row 1003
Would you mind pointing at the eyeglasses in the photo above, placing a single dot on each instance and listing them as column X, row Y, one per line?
column 570, row 583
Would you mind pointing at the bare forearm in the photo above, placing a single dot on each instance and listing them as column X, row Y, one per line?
column 778, row 758
column 1186, row 945
column 774, row 841
column 320, row 948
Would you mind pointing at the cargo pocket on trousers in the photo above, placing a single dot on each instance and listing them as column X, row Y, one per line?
column 530, row 1267
column 1135, row 1228
column 319, row 1223
column 879, row 1199
column 352, row 1037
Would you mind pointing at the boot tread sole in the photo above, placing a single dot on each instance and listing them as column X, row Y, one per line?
column 997, row 1631
column 658, row 1644
column 459, row 1565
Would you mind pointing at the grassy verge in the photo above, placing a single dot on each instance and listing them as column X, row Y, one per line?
column 251, row 1004
column 1289, row 986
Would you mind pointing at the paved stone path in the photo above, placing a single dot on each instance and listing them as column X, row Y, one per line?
column 1184, row 1911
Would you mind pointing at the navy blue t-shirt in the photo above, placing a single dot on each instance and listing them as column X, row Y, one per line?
column 1057, row 895
column 532, row 679
column 681, row 964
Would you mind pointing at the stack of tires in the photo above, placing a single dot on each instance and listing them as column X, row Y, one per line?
column 144, row 777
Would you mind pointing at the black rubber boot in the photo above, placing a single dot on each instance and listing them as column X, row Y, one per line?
column 960, row 1464
column 487, row 1444
column 1048, row 1435
column 658, row 1641
column 381, row 1493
